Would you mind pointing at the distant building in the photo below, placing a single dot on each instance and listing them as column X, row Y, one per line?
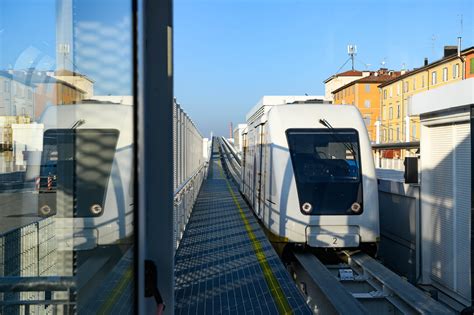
column 338, row 80
column 396, row 124
column 80, row 81
column 49, row 90
column 6, row 130
column 16, row 95
column 365, row 95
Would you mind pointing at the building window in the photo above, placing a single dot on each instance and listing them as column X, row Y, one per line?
column 398, row 89
column 455, row 71
column 367, row 121
column 390, row 112
column 422, row 81
column 398, row 111
column 384, row 135
column 367, row 103
column 6, row 86
column 414, row 84
column 445, row 74
column 353, row 89
column 398, row 133
column 433, row 77
column 385, row 94
column 391, row 91
column 406, row 87
column 413, row 132
column 367, row 88
column 390, row 134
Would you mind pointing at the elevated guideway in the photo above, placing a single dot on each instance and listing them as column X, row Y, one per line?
column 224, row 263
column 348, row 282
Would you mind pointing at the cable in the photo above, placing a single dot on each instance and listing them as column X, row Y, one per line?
column 343, row 65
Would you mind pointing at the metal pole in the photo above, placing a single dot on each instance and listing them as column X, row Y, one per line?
column 155, row 152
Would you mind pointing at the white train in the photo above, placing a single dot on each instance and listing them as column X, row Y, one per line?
column 308, row 173
column 84, row 174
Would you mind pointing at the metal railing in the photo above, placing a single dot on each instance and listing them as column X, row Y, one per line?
column 231, row 160
column 28, row 263
column 189, row 168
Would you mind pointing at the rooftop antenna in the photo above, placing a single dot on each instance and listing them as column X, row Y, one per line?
column 352, row 51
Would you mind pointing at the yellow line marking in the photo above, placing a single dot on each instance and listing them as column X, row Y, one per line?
column 112, row 298
column 272, row 282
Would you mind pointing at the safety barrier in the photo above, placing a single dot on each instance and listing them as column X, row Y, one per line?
column 231, row 160
column 189, row 168
column 28, row 261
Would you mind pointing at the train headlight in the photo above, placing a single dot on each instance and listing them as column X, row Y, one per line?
column 45, row 210
column 96, row 209
column 307, row 207
column 355, row 207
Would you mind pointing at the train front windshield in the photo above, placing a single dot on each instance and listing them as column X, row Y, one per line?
column 327, row 168
column 78, row 163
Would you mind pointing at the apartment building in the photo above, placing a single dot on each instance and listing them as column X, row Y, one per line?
column 365, row 95
column 395, row 124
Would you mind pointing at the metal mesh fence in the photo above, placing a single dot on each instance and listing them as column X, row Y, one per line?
column 189, row 168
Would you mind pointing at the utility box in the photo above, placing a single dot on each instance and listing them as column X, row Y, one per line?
column 446, row 187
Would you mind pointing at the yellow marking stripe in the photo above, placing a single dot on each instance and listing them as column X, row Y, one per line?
column 275, row 288
column 112, row 298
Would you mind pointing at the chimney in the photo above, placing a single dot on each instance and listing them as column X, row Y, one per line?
column 450, row 50
column 425, row 62
column 459, row 46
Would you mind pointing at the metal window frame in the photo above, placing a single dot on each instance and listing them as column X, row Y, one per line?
column 154, row 149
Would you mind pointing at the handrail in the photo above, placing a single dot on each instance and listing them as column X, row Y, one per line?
column 232, row 151
column 186, row 182
column 23, row 284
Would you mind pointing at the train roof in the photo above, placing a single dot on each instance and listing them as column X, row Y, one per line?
column 91, row 116
column 267, row 102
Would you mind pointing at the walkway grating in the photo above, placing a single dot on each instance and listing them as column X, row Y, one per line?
column 225, row 264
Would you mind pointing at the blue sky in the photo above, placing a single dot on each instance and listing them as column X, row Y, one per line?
column 229, row 53
column 28, row 38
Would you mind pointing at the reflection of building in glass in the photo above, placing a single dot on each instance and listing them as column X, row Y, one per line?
column 103, row 52
column 80, row 81
column 6, row 131
column 16, row 95
column 52, row 91
column 96, row 46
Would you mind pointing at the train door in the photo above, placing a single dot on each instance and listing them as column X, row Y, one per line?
column 254, row 169
column 262, row 171
column 244, row 162
column 258, row 170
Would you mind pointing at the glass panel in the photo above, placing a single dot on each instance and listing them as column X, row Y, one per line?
column 66, row 156
column 327, row 170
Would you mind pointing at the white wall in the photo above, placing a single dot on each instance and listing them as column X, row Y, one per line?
column 26, row 137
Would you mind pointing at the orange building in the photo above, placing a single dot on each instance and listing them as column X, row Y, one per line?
column 365, row 94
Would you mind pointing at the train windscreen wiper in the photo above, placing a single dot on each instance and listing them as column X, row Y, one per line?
column 348, row 146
